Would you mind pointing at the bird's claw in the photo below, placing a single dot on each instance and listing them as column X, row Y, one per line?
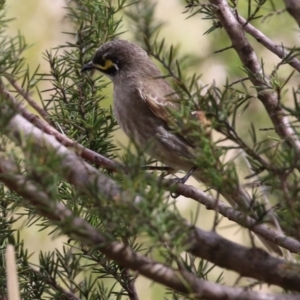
column 183, row 180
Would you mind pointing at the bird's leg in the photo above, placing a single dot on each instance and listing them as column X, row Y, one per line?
column 184, row 179
column 158, row 168
column 165, row 170
column 170, row 170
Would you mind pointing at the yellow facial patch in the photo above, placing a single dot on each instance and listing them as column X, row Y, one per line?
column 107, row 65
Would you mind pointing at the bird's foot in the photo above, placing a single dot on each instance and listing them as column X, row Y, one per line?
column 183, row 180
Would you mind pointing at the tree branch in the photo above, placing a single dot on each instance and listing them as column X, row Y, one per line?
column 53, row 283
column 28, row 98
column 91, row 156
column 232, row 214
column 260, row 81
column 181, row 189
column 77, row 228
column 87, row 179
column 269, row 44
column 254, row 261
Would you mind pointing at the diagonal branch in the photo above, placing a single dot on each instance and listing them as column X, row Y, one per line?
column 54, row 283
column 269, row 44
column 211, row 246
column 234, row 215
column 91, row 156
column 248, row 262
column 28, row 98
column 294, row 6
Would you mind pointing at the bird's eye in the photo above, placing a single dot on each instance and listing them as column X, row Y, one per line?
column 106, row 64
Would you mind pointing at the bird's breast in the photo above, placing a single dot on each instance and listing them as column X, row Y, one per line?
column 134, row 116
column 147, row 130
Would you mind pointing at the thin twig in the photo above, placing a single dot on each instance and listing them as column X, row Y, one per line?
column 130, row 288
column 55, row 285
column 269, row 44
column 234, row 215
column 44, row 114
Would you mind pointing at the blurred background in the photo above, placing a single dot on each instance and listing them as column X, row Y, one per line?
column 43, row 24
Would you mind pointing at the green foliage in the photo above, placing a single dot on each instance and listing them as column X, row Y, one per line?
column 75, row 106
column 76, row 101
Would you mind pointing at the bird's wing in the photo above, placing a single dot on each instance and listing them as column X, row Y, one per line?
column 162, row 102
column 159, row 103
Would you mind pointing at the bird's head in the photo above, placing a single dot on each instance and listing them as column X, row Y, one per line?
column 117, row 56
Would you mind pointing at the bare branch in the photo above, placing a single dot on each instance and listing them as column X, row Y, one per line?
column 79, row 173
column 252, row 262
column 12, row 274
column 269, row 44
column 238, row 217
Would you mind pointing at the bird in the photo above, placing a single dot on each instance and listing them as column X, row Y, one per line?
column 143, row 101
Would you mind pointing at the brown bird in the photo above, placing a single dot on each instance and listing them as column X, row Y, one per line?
column 143, row 105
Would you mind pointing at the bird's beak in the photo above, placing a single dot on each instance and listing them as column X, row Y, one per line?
column 88, row 66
